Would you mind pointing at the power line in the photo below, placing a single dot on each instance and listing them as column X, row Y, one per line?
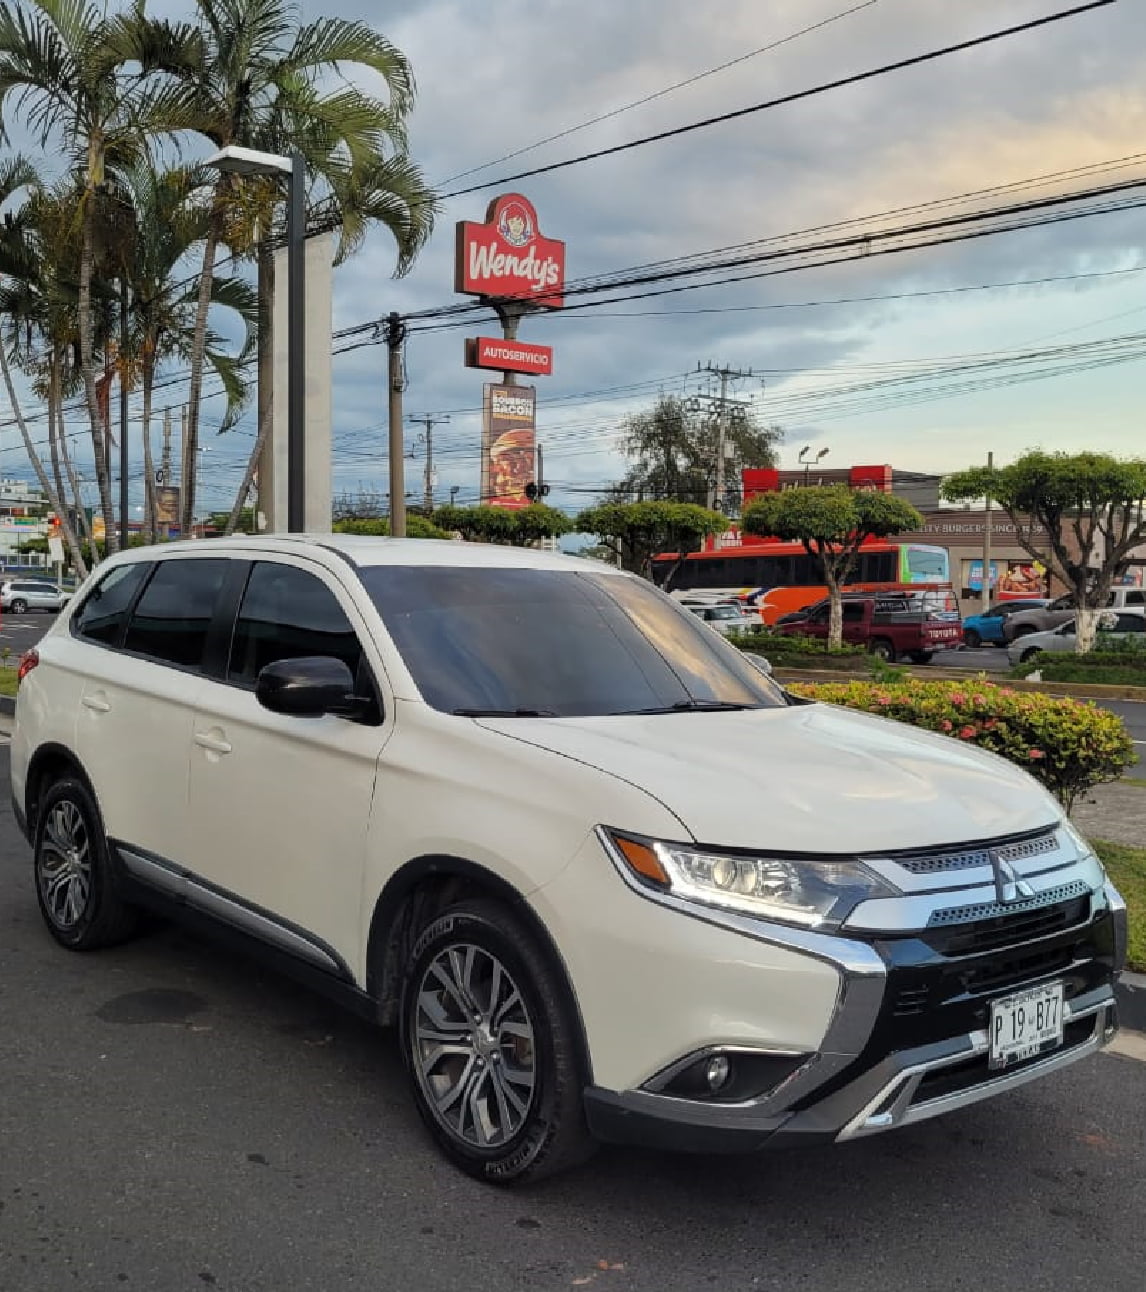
column 798, row 95
column 658, row 94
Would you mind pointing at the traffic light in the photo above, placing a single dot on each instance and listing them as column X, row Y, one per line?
column 533, row 491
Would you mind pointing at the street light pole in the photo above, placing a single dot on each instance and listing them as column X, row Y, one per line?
column 296, row 347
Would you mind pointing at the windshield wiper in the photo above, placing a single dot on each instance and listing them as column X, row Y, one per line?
column 697, row 706
column 504, row 713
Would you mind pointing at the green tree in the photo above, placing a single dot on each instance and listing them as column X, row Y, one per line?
column 512, row 527
column 672, row 452
column 832, row 522
column 1092, row 507
column 78, row 76
column 635, row 532
column 253, row 77
column 379, row 527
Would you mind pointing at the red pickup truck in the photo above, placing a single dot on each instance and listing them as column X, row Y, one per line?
column 913, row 625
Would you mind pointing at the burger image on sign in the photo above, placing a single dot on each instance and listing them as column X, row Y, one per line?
column 511, row 465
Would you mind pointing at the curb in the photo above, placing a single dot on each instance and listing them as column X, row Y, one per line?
column 1130, row 992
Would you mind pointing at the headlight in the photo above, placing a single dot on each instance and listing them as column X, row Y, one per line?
column 806, row 891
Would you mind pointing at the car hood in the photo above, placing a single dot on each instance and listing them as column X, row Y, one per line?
column 801, row 778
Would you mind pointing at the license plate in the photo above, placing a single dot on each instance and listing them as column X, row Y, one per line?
column 1026, row 1024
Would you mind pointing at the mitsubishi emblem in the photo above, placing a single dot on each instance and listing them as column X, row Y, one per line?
column 1009, row 887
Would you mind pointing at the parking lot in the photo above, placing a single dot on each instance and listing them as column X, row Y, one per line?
column 175, row 1117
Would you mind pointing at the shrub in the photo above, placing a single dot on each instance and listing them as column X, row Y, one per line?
column 771, row 644
column 1068, row 745
column 1122, row 667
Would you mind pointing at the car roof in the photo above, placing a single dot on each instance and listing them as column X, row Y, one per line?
column 362, row 550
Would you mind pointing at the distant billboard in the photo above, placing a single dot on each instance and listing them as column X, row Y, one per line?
column 509, row 421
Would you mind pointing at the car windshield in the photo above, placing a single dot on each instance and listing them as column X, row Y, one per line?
column 557, row 643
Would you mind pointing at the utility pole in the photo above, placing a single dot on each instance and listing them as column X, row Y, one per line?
column 124, row 518
column 429, row 421
column 717, row 494
column 395, row 336
column 184, row 471
column 987, row 545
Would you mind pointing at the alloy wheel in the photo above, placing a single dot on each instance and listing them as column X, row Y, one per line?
column 64, row 865
column 473, row 1047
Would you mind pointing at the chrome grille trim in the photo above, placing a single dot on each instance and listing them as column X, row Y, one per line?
column 931, row 863
column 992, row 910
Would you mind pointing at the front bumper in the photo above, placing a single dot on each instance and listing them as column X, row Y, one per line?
column 924, row 1054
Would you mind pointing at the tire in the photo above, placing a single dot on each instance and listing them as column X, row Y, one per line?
column 532, row 1123
column 19, row 606
column 1029, row 654
column 921, row 656
column 882, row 649
column 1023, row 630
column 971, row 638
column 75, row 886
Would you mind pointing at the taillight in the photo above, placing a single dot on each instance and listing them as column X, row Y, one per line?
column 28, row 662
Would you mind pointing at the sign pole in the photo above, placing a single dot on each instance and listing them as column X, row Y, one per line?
column 987, row 546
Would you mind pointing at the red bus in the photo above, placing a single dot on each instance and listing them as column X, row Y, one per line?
column 778, row 578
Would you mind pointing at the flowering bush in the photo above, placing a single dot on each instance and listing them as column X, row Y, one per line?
column 1068, row 745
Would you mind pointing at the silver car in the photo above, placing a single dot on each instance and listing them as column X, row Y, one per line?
column 18, row 596
column 727, row 618
column 1121, row 625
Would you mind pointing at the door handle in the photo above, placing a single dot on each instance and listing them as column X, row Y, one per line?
column 96, row 704
column 212, row 743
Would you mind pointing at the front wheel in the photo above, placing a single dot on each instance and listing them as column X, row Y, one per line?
column 1028, row 655
column 882, row 649
column 971, row 638
column 491, row 1048
column 19, row 607
column 76, row 889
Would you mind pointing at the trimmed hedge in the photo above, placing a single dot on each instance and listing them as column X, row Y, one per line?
column 1068, row 745
column 776, row 644
column 1112, row 667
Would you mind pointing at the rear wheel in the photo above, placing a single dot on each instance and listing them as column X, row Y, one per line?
column 19, row 606
column 971, row 638
column 76, row 888
column 1022, row 630
column 491, row 1049
column 882, row 649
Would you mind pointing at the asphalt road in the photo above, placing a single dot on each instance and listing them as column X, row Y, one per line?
column 172, row 1118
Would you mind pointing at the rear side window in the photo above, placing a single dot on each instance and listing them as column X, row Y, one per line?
column 170, row 622
column 102, row 616
column 1136, row 598
column 288, row 614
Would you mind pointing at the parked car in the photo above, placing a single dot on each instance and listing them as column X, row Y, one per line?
column 609, row 881
column 18, row 596
column 890, row 625
column 1121, row 625
column 988, row 628
column 728, row 618
column 1062, row 609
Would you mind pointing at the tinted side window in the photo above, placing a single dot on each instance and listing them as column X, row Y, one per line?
column 286, row 614
column 853, row 612
column 171, row 620
column 1136, row 598
column 1131, row 624
column 105, row 608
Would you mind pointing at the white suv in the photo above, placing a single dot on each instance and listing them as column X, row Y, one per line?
column 607, row 878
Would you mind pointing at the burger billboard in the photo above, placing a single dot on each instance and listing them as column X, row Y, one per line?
column 509, row 416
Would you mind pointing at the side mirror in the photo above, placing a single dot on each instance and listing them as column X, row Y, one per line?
column 759, row 662
column 309, row 687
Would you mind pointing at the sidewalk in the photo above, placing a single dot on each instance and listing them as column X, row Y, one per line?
column 1116, row 812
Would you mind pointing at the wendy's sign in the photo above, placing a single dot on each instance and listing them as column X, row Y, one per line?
column 506, row 258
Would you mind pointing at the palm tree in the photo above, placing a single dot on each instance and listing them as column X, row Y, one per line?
column 169, row 223
column 65, row 64
column 40, row 312
column 252, row 79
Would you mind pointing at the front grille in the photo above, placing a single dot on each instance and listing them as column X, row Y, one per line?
column 998, row 912
column 962, row 939
column 932, row 863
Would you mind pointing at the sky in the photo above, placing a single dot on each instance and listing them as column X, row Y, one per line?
column 497, row 77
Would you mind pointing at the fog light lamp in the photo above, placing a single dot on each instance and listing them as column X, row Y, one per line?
column 716, row 1072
